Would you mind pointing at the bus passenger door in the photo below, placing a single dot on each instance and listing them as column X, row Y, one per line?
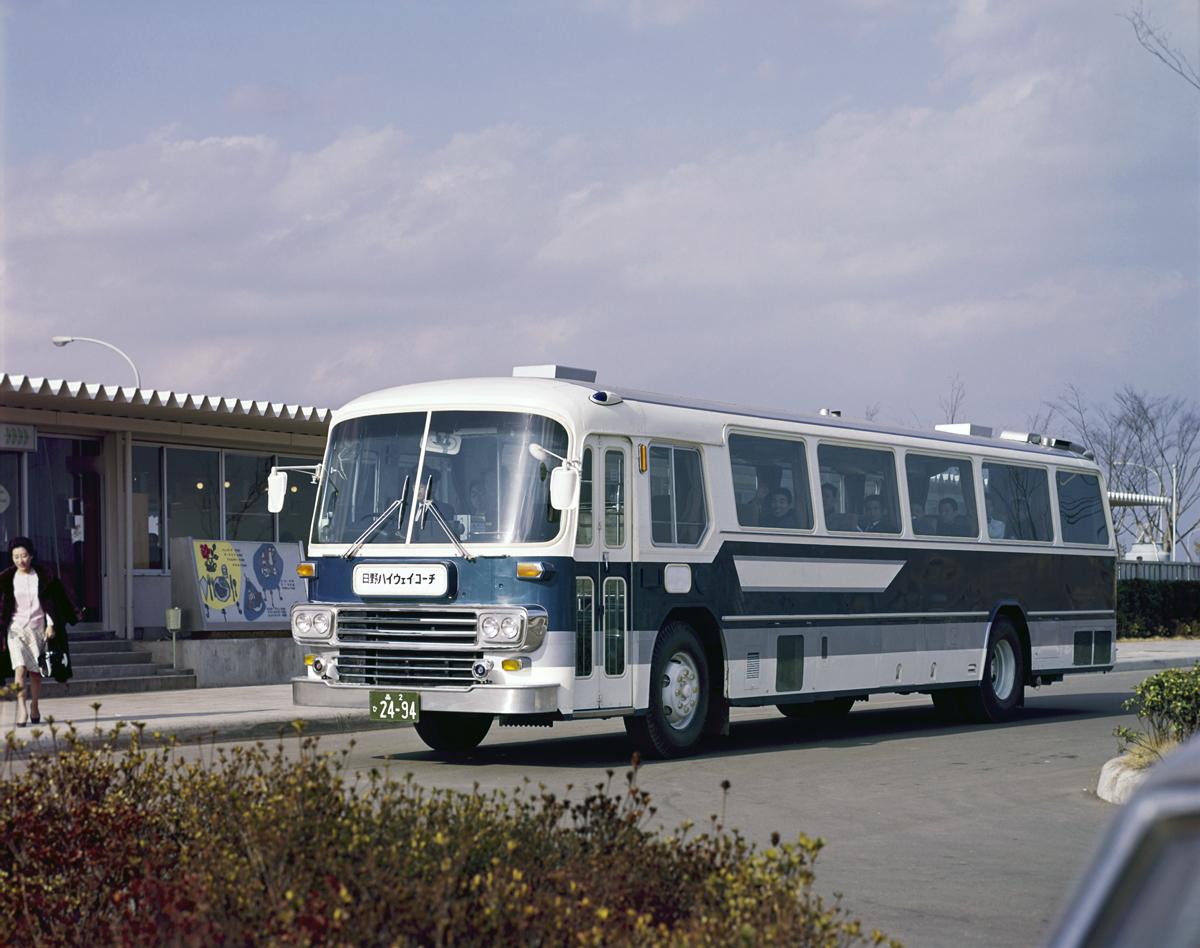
column 603, row 587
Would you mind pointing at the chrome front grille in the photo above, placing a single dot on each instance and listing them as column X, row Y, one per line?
column 438, row 629
column 405, row 667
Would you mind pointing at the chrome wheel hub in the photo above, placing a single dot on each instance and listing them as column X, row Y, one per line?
column 1004, row 669
column 680, row 690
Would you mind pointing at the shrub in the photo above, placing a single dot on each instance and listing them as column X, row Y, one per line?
column 1149, row 608
column 256, row 846
column 1168, row 705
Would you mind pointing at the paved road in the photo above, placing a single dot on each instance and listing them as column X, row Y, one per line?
column 937, row 834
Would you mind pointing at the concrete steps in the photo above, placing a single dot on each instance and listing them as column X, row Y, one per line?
column 104, row 664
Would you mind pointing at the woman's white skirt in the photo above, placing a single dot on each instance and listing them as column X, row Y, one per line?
column 24, row 645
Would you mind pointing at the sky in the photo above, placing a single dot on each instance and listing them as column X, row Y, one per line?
column 842, row 204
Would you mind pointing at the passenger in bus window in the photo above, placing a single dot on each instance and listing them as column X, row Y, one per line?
column 875, row 518
column 949, row 522
column 780, row 513
column 834, row 519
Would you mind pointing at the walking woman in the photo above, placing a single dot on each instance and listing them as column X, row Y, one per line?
column 34, row 612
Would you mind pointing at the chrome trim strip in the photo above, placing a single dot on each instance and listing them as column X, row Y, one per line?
column 488, row 699
column 858, row 615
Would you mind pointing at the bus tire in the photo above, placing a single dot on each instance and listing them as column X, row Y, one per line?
column 452, row 730
column 826, row 711
column 1002, row 689
column 948, row 702
column 675, row 722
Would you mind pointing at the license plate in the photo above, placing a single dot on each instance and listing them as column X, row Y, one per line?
column 402, row 707
column 411, row 579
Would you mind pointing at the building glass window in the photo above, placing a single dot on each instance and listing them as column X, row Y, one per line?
column 296, row 517
column 770, row 481
column 10, row 498
column 246, row 514
column 148, row 526
column 1081, row 508
column 1017, row 500
column 193, row 497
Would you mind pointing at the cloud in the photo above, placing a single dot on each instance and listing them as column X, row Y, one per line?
column 266, row 99
column 645, row 14
column 1006, row 227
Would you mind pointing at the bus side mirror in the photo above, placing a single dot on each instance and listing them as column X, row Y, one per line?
column 564, row 488
column 276, row 490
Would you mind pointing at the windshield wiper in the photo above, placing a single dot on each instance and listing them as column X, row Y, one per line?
column 395, row 505
column 428, row 506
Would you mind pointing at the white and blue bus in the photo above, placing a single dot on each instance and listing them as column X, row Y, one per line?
column 536, row 549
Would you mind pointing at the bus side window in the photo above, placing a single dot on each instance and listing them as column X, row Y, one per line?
column 678, row 515
column 942, row 496
column 583, row 532
column 770, row 481
column 868, row 479
column 1018, row 502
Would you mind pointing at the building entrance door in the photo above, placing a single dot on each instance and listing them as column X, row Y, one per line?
column 65, row 491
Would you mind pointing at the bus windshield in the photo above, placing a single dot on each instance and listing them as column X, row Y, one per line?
column 476, row 464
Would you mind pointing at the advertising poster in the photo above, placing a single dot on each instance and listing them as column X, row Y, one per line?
column 239, row 584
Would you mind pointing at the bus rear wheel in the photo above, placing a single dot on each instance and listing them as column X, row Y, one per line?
column 1002, row 689
column 452, row 730
column 679, row 700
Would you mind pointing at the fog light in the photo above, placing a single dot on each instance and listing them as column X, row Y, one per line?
column 481, row 669
column 514, row 664
column 318, row 665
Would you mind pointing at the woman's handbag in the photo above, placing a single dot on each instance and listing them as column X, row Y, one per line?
column 44, row 663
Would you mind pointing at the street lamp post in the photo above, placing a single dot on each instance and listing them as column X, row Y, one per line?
column 66, row 340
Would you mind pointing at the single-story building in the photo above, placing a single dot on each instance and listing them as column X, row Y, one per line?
column 101, row 478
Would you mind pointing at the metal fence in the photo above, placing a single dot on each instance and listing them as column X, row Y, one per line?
column 1158, row 572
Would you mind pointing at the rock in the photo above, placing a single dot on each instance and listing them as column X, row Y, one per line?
column 1118, row 780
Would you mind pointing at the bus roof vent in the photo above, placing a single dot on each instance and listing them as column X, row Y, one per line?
column 966, row 428
column 1047, row 441
column 554, row 372
column 831, row 412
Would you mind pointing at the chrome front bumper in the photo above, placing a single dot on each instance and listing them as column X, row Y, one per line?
column 481, row 699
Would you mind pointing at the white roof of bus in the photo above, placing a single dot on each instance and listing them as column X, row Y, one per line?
column 645, row 413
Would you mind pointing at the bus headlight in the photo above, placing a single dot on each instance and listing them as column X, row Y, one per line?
column 501, row 628
column 312, row 623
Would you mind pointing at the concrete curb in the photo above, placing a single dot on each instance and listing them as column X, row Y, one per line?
column 210, row 733
column 1119, row 780
column 1151, row 664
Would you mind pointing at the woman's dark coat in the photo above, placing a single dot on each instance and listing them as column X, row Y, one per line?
column 55, row 603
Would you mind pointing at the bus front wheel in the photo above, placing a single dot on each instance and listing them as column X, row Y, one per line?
column 679, row 697
column 1002, row 688
column 452, row 730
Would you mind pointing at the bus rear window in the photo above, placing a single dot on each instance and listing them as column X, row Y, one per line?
column 1081, row 508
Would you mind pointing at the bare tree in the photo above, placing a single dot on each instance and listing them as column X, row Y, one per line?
column 952, row 402
column 1158, row 43
column 1144, row 444
column 871, row 412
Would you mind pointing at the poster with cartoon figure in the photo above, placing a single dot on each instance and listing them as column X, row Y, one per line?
column 237, row 584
